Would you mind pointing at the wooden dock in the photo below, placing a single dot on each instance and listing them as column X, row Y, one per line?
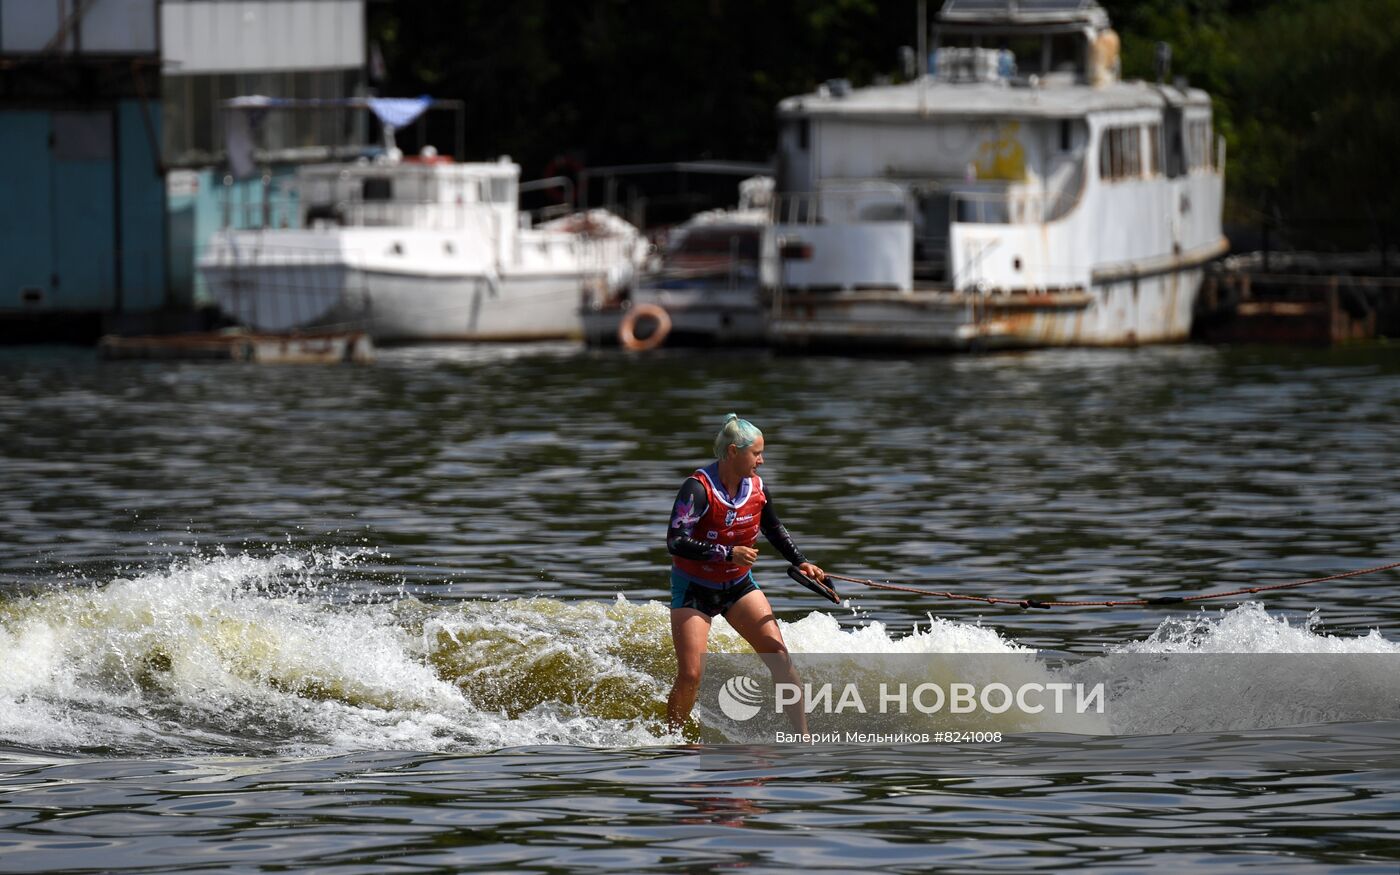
column 1240, row 303
column 270, row 349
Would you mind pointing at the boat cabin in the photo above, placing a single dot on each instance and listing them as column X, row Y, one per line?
column 1018, row 117
column 424, row 192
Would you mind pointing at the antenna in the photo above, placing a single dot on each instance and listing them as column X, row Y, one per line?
column 1163, row 59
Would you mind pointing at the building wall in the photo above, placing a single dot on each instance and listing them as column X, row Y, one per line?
column 84, row 224
column 240, row 36
column 215, row 50
column 194, row 131
column 142, row 209
column 26, row 224
column 108, row 27
column 82, row 235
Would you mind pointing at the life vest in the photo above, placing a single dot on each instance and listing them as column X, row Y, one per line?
column 728, row 523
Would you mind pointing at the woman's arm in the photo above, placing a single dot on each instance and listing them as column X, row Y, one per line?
column 691, row 504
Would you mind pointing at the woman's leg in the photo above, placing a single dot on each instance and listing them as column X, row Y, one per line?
column 752, row 617
column 690, row 632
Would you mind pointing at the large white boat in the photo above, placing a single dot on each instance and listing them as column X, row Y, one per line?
column 419, row 249
column 1016, row 194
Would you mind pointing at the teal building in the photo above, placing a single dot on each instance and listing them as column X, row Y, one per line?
column 83, row 230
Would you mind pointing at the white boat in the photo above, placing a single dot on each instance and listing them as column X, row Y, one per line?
column 1015, row 196
column 419, row 249
column 706, row 287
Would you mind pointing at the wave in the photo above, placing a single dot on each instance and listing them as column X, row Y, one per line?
column 255, row 654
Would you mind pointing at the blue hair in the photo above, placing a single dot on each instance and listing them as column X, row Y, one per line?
column 739, row 432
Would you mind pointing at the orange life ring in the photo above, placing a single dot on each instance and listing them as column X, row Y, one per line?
column 626, row 331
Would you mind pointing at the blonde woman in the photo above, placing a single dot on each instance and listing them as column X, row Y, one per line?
column 718, row 515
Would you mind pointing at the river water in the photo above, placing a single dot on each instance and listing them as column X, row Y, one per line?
column 409, row 617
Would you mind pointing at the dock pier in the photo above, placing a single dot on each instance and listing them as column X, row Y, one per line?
column 240, row 346
column 1318, row 300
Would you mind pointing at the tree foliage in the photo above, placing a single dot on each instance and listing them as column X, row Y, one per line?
column 1305, row 95
column 1304, row 90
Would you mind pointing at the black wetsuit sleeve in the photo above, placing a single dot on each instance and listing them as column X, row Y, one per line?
column 776, row 533
column 691, row 504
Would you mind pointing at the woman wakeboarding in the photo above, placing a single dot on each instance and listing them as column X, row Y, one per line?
column 715, row 523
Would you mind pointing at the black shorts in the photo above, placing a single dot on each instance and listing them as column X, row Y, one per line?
column 710, row 601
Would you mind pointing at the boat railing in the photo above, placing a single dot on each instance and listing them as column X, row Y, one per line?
column 546, row 214
column 268, row 206
column 431, row 215
column 286, row 212
column 561, row 184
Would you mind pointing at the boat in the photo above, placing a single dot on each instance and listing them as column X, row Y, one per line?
column 420, row 248
column 1015, row 193
column 705, row 288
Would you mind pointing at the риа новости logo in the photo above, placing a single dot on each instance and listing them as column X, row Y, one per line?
column 739, row 698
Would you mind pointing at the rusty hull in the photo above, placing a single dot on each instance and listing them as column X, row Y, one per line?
column 947, row 320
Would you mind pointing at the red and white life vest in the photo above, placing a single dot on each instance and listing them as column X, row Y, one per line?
column 728, row 523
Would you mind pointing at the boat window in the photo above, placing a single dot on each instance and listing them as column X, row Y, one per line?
column 1120, row 153
column 1064, row 135
column 1154, row 150
column 1066, row 53
column 1027, row 54
column 1198, row 151
column 803, row 134
column 377, row 188
column 500, row 190
column 469, row 191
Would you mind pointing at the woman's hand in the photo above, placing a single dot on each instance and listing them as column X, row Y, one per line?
column 811, row 570
column 744, row 555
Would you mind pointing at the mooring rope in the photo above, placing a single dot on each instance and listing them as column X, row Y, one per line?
column 1103, row 603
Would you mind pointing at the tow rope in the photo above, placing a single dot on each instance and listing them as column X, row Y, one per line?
column 1046, row 604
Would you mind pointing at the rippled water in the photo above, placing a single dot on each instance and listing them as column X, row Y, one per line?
column 409, row 616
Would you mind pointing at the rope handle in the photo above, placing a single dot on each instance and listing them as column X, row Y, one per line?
column 1047, row 604
column 821, row 589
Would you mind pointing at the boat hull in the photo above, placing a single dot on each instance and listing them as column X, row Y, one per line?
column 1128, row 312
column 396, row 307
